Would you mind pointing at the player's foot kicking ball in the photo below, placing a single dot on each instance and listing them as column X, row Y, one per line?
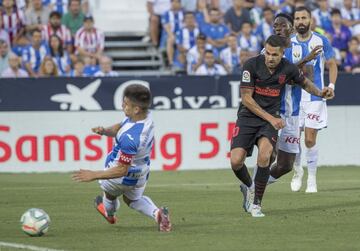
column 256, row 211
column 296, row 181
column 99, row 205
column 248, row 197
column 163, row 219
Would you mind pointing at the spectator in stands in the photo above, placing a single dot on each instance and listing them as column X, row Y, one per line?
column 14, row 70
column 55, row 27
column 340, row 33
column 247, row 41
column 352, row 59
column 74, row 18
column 36, row 16
column 201, row 14
column 351, row 16
column 222, row 5
column 287, row 7
column 216, row 31
column 60, row 57
column 209, row 67
column 4, row 55
column 338, row 57
column 78, row 70
column 48, row 68
column 172, row 22
column 86, row 8
column 322, row 14
column 60, row 6
column 236, row 16
column 89, row 41
column 265, row 29
column 156, row 8
column 106, row 68
column 315, row 27
column 186, row 37
column 4, row 35
column 91, row 67
column 256, row 13
column 189, row 5
column 195, row 56
column 13, row 21
column 34, row 54
column 230, row 56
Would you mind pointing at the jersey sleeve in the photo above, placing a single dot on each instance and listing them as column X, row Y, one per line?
column 328, row 50
column 128, row 149
column 247, row 79
column 296, row 75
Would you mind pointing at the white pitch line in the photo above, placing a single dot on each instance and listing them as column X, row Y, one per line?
column 27, row 247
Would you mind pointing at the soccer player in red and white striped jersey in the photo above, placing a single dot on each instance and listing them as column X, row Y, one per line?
column 89, row 41
column 13, row 20
column 54, row 27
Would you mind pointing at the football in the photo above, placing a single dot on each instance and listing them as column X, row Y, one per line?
column 35, row 222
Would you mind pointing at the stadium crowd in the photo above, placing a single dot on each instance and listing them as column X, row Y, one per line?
column 215, row 37
column 49, row 38
column 203, row 37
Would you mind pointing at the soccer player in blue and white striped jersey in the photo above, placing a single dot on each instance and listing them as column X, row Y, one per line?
column 127, row 166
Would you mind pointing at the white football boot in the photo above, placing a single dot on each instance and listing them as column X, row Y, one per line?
column 296, row 181
column 256, row 211
column 311, row 184
column 248, row 197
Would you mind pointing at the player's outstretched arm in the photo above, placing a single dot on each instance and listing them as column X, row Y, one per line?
column 110, row 131
column 250, row 103
column 87, row 175
column 310, row 87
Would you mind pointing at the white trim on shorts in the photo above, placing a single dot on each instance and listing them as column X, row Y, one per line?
column 313, row 114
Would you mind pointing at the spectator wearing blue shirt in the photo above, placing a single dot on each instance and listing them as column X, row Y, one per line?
column 265, row 29
column 352, row 59
column 78, row 70
column 60, row 57
column 230, row 56
column 216, row 31
column 201, row 14
column 91, row 66
column 322, row 15
column 340, row 33
column 34, row 54
column 172, row 22
column 186, row 37
column 236, row 16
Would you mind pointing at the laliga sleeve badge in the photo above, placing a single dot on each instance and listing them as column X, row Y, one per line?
column 246, row 77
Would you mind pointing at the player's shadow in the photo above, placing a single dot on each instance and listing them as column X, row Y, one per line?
column 340, row 206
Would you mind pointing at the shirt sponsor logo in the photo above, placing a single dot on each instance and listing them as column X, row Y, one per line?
column 267, row 91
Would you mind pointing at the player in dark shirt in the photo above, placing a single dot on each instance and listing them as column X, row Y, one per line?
column 258, row 121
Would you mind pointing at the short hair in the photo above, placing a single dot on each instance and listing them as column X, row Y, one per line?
column 303, row 8
column 189, row 13
column 209, row 51
column 267, row 8
column 34, row 31
column 246, row 22
column 286, row 16
column 55, row 14
column 276, row 41
column 201, row 37
column 214, row 9
column 139, row 94
column 355, row 39
column 335, row 11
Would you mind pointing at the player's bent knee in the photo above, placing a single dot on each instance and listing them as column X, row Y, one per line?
column 237, row 159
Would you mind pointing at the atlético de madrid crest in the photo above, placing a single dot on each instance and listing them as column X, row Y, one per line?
column 282, row 79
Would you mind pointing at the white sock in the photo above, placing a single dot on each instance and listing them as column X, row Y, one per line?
column 111, row 206
column 145, row 206
column 312, row 159
column 297, row 162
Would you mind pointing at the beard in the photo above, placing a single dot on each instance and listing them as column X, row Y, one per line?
column 302, row 29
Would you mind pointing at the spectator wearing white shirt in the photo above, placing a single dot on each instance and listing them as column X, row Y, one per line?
column 14, row 70
column 351, row 17
column 195, row 56
column 4, row 55
column 209, row 67
column 4, row 35
column 247, row 41
column 89, row 41
column 36, row 16
column 230, row 56
column 322, row 15
column 265, row 29
column 60, row 57
column 156, row 8
column 256, row 13
column 106, row 68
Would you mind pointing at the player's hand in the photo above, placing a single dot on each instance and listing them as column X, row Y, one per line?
column 98, row 130
column 277, row 123
column 327, row 93
column 315, row 52
column 83, row 175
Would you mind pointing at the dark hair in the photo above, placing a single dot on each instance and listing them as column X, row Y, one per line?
column 276, row 41
column 246, row 22
column 139, row 94
column 214, row 9
column 267, row 8
column 355, row 39
column 34, row 31
column 303, row 8
column 55, row 14
column 189, row 13
column 208, row 51
column 335, row 12
column 201, row 37
column 286, row 16
column 61, row 49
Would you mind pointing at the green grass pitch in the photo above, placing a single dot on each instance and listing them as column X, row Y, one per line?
column 205, row 209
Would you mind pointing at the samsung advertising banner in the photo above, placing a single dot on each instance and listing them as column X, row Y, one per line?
column 45, row 123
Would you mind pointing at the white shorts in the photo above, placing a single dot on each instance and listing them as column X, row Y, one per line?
column 313, row 114
column 115, row 188
column 289, row 138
